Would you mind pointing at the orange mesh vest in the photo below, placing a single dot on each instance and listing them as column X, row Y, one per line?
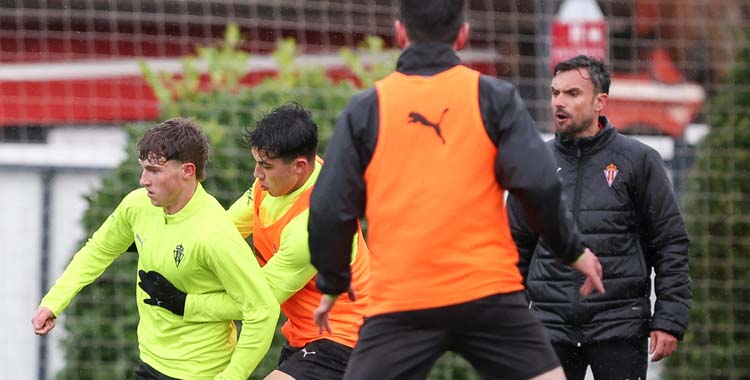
column 346, row 316
column 438, row 230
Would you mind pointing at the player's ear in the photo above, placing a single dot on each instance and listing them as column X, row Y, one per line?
column 462, row 37
column 402, row 38
column 188, row 169
column 301, row 164
column 600, row 101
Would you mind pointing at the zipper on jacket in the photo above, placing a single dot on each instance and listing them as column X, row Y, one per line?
column 579, row 277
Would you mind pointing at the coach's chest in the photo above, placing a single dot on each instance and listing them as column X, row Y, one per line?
column 599, row 182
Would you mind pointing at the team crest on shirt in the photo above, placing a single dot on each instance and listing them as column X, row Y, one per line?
column 179, row 253
column 610, row 173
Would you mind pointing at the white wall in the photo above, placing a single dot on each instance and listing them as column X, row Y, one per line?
column 20, row 229
column 77, row 157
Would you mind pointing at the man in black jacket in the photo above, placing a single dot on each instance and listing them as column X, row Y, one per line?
column 626, row 210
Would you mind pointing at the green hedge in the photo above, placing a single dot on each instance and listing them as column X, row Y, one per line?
column 717, row 213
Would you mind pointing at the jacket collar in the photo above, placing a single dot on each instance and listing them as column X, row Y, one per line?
column 586, row 145
column 427, row 59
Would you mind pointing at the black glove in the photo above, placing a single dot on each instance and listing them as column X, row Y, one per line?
column 162, row 292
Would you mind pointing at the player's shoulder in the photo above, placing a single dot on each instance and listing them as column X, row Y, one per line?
column 213, row 212
column 493, row 85
column 362, row 100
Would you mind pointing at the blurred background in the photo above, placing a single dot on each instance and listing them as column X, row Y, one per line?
column 81, row 79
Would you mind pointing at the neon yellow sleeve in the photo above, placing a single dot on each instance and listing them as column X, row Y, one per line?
column 241, row 212
column 246, row 286
column 112, row 238
column 286, row 272
column 290, row 269
column 211, row 307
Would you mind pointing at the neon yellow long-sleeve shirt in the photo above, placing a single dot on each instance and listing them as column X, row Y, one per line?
column 287, row 272
column 200, row 251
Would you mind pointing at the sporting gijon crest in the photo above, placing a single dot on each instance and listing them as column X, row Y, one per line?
column 610, row 173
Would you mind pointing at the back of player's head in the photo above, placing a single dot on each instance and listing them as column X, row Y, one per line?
column 287, row 132
column 432, row 21
column 179, row 139
column 598, row 72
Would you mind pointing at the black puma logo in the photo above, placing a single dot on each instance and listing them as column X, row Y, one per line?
column 416, row 117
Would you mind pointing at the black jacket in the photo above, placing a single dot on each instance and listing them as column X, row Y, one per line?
column 524, row 166
column 628, row 215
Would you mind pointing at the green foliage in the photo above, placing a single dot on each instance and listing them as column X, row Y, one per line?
column 101, row 320
column 717, row 214
column 452, row 366
column 372, row 50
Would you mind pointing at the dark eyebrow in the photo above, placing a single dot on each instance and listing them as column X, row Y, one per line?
column 571, row 89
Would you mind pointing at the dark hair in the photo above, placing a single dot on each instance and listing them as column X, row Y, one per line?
column 598, row 71
column 287, row 132
column 176, row 139
column 432, row 21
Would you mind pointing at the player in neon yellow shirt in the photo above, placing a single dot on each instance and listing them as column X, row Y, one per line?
column 183, row 233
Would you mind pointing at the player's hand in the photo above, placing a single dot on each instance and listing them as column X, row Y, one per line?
column 162, row 292
column 662, row 345
column 589, row 265
column 43, row 321
column 320, row 315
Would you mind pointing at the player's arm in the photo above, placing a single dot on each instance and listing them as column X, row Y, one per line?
column 234, row 265
column 211, row 307
column 339, row 197
column 208, row 307
column 526, row 168
column 286, row 272
column 112, row 238
column 290, row 268
column 524, row 237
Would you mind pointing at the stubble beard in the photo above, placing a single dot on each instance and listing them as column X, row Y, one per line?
column 574, row 129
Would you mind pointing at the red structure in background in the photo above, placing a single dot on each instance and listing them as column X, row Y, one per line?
column 114, row 91
column 50, row 76
column 658, row 101
column 579, row 28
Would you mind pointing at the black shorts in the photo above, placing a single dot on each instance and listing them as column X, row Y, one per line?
column 146, row 372
column 322, row 359
column 498, row 335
